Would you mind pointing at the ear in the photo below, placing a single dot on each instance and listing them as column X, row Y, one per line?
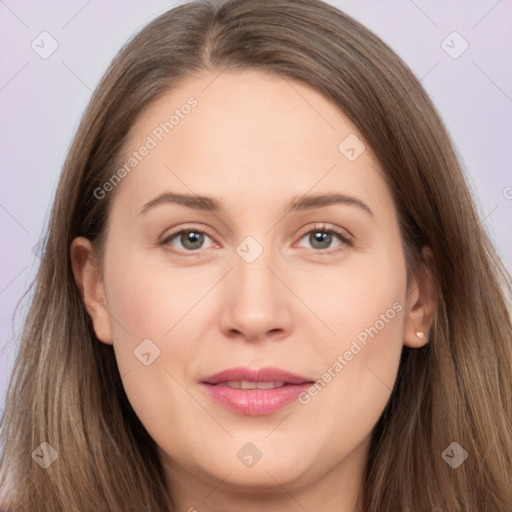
column 89, row 280
column 421, row 303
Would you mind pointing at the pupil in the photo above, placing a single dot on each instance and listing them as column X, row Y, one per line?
column 320, row 240
column 192, row 240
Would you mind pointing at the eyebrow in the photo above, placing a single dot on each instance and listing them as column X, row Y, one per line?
column 301, row 203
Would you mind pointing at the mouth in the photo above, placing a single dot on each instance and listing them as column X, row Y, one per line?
column 245, row 384
column 255, row 392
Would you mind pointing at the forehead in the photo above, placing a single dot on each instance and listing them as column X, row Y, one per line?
column 252, row 136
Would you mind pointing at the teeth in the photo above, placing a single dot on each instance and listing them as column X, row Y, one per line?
column 244, row 384
column 269, row 385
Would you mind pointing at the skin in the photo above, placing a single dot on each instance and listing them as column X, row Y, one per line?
column 255, row 142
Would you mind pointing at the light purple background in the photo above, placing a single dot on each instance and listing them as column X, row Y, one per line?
column 41, row 101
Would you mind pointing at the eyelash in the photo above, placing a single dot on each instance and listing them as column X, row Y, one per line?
column 344, row 238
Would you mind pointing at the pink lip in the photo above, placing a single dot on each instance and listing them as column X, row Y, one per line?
column 255, row 402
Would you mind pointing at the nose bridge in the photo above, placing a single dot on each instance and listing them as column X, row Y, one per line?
column 256, row 303
column 254, row 285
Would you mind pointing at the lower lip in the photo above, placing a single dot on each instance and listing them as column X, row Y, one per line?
column 255, row 402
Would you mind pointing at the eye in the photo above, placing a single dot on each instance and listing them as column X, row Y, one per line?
column 194, row 238
column 322, row 237
column 188, row 240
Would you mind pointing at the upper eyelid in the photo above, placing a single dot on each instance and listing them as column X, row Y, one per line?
column 192, row 228
column 326, row 227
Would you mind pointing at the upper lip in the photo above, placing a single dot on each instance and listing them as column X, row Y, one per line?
column 267, row 374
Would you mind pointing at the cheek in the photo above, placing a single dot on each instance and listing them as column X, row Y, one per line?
column 362, row 368
column 152, row 296
column 363, row 306
column 153, row 318
column 154, row 303
column 361, row 299
column 358, row 364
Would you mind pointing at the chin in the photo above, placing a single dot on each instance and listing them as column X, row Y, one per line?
column 261, row 479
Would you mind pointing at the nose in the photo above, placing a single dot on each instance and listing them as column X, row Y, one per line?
column 257, row 305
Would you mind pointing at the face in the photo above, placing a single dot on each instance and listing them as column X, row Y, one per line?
column 255, row 236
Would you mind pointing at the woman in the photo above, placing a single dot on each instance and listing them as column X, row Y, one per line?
column 265, row 286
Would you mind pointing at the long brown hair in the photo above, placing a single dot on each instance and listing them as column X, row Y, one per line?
column 66, row 389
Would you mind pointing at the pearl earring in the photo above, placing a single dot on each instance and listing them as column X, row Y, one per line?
column 420, row 335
